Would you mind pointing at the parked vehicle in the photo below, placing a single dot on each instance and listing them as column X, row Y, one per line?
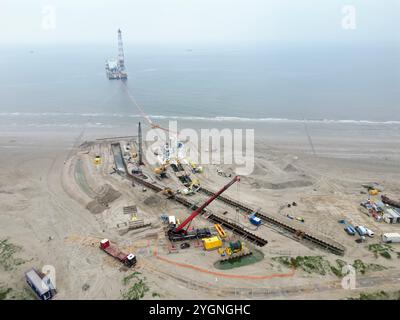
column 370, row 233
column 128, row 260
column 361, row 231
column 350, row 230
column 185, row 245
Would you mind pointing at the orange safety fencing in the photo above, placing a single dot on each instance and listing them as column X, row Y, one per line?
column 225, row 275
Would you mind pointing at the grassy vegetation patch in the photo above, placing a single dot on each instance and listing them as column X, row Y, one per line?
column 7, row 252
column 309, row 264
column 363, row 268
column 337, row 270
column 128, row 278
column 321, row 266
column 383, row 250
column 379, row 295
column 4, row 292
column 137, row 290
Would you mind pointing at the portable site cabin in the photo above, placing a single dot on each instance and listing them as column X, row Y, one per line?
column 391, row 216
column 41, row 286
column 172, row 220
column 255, row 220
column 391, row 237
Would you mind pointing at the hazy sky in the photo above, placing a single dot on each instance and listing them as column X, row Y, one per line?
column 196, row 21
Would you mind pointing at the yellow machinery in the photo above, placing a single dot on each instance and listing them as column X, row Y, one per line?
column 373, row 192
column 220, row 231
column 195, row 167
column 234, row 247
column 97, row 160
column 161, row 170
column 194, row 186
column 168, row 192
column 212, row 243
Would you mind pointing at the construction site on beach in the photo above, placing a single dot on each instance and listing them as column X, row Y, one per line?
column 199, row 225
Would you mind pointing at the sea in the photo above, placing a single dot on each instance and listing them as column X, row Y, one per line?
column 66, row 85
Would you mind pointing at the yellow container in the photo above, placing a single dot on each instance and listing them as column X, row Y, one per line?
column 212, row 243
column 373, row 192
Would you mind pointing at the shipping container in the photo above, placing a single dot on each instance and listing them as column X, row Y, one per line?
column 212, row 243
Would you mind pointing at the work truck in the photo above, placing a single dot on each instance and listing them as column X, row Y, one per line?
column 128, row 260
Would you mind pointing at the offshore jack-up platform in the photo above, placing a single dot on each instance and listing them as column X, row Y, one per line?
column 115, row 68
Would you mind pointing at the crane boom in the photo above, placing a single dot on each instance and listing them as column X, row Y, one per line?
column 205, row 204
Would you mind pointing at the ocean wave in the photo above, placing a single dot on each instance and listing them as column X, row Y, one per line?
column 63, row 125
column 196, row 118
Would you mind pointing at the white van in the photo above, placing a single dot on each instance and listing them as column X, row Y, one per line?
column 370, row 233
column 362, row 231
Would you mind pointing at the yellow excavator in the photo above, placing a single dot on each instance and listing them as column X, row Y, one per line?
column 195, row 167
column 193, row 187
column 168, row 192
column 161, row 171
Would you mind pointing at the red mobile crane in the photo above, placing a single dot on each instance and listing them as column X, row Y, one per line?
column 178, row 233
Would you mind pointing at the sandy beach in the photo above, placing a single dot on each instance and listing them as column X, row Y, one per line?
column 43, row 212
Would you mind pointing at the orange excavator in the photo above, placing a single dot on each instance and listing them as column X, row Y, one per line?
column 161, row 172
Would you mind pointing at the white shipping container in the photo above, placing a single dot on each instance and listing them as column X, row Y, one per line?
column 391, row 237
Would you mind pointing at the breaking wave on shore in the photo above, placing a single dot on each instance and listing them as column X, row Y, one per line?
column 193, row 118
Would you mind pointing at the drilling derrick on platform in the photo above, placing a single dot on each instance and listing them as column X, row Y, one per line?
column 140, row 145
column 115, row 68
column 121, row 58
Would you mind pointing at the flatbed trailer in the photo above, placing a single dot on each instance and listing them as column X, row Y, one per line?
column 128, row 260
